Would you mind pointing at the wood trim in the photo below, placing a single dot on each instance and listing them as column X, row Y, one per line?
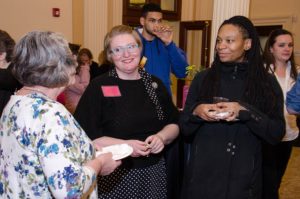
column 185, row 26
column 266, row 30
column 205, row 26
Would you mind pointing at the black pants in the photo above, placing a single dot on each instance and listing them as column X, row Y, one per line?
column 275, row 160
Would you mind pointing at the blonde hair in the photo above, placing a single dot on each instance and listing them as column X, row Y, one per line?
column 119, row 30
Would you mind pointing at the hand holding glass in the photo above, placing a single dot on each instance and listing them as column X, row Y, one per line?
column 220, row 115
column 220, row 99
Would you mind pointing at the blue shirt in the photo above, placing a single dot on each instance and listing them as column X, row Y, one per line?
column 293, row 97
column 163, row 60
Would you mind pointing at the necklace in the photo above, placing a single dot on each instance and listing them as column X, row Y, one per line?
column 34, row 90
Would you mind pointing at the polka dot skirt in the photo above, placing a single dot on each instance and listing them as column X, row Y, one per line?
column 141, row 183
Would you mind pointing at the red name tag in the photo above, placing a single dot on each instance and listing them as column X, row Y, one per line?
column 111, row 91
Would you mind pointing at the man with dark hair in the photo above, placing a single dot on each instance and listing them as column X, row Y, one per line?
column 163, row 56
column 150, row 7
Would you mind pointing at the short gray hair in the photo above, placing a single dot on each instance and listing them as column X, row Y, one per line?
column 44, row 59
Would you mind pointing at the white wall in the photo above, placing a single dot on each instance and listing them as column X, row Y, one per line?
column 18, row 17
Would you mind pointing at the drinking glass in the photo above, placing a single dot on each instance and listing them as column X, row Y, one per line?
column 220, row 115
column 220, row 99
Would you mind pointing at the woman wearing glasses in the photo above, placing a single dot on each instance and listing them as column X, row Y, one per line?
column 127, row 105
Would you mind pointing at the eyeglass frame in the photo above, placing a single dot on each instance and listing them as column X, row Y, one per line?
column 128, row 47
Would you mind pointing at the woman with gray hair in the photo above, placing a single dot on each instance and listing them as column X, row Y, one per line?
column 44, row 151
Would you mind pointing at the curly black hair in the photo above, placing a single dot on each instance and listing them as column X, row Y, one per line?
column 150, row 7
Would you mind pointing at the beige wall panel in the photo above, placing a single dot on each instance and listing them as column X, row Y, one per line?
column 19, row 17
column 95, row 25
column 187, row 10
column 203, row 9
column 196, row 10
column 115, row 13
column 276, row 12
column 78, row 21
column 270, row 7
column 222, row 10
column 99, row 17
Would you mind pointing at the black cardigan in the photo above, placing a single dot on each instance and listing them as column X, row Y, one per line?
column 129, row 114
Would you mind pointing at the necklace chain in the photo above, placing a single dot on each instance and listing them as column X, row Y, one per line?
column 34, row 90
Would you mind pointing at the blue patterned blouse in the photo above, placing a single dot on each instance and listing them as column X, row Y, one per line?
column 42, row 151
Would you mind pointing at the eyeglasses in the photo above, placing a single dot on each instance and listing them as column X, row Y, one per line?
column 130, row 48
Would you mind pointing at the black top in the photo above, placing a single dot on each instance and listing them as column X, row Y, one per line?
column 103, row 68
column 127, row 114
column 225, row 161
column 8, row 85
column 96, row 70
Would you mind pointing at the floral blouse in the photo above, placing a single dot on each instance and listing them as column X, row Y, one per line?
column 43, row 150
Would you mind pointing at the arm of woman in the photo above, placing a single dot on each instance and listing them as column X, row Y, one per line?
column 157, row 142
column 140, row 148
column 62, row 158
column 268, row 126
column 170, row 129
column 206, row 112
column 190, row 119
column 84, row 75
column 103, row 164
column 82, row 80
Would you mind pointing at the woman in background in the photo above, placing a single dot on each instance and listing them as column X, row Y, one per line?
column 85, row 56
column 8, row 84
column 279, row 60
column 226, row 157
column 104, row 64
column 74, row 49
column 44, row 151
column 128, row 105
column 74, row 92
